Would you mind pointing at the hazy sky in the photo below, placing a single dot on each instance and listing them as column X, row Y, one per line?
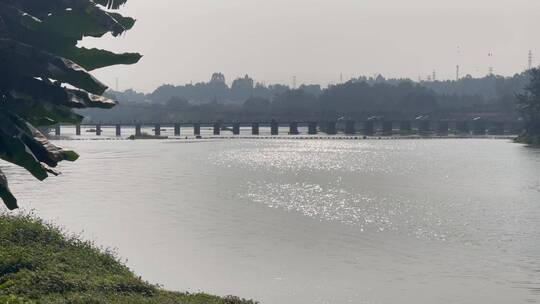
column 317, row 40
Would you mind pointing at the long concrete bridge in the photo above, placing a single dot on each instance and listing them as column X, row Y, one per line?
column 367, row 128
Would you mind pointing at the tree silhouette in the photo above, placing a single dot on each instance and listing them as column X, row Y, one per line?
column 529, row 107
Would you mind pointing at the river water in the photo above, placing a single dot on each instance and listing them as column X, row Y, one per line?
column 309, row 221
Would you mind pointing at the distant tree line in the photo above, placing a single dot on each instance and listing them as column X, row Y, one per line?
column 360, row 98
column 214, row 90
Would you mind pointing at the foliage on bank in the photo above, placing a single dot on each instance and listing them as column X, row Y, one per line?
column 40, row 264
column 45, row 75
column 525, row 138
column 529, row 107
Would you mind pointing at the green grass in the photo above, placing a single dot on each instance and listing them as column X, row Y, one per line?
column 39, row 263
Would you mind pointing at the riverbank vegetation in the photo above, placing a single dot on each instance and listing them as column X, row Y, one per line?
column 529, row 107
column 39, row 263
column 490, row 97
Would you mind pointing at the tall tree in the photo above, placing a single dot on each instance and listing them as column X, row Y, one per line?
column 529, row 107
column 44, row 75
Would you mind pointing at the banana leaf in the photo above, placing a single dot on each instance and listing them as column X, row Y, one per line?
column 5, row 193
column 14, row 150
column 111, row 4
column 84, row 17
column 19, row 58
column 44, row 76
column 27, row 88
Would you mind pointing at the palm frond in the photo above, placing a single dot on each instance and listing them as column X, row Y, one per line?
column 111, row 4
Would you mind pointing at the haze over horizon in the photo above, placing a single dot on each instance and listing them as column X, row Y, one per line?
column 186, row 41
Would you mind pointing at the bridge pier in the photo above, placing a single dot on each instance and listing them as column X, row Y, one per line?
column 349, row 127
column 118, row 130
column 255, row 128
column 479, row 127
column 293, row 128
column 217, row 129
column 462, row 128
column 312, row 128
column 387, row 128
column 78, row 130
column 157, row 130
column 177, row 129
column 369, row 128
column 424, row 127
column 405, row 128
column 98, row 130
column 236, row 128
column 274, row 127
column 442, row 128
column 331, row 128
column 197, row 129
column 138, row 129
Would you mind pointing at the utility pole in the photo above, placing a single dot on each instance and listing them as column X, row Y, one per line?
column 458, row 58
column 491, row 69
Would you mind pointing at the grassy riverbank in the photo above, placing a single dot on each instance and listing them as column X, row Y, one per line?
column 41, row 264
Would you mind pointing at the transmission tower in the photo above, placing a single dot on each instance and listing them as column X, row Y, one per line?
column 530, row 60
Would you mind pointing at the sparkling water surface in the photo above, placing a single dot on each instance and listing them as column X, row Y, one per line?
column 309, row 221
